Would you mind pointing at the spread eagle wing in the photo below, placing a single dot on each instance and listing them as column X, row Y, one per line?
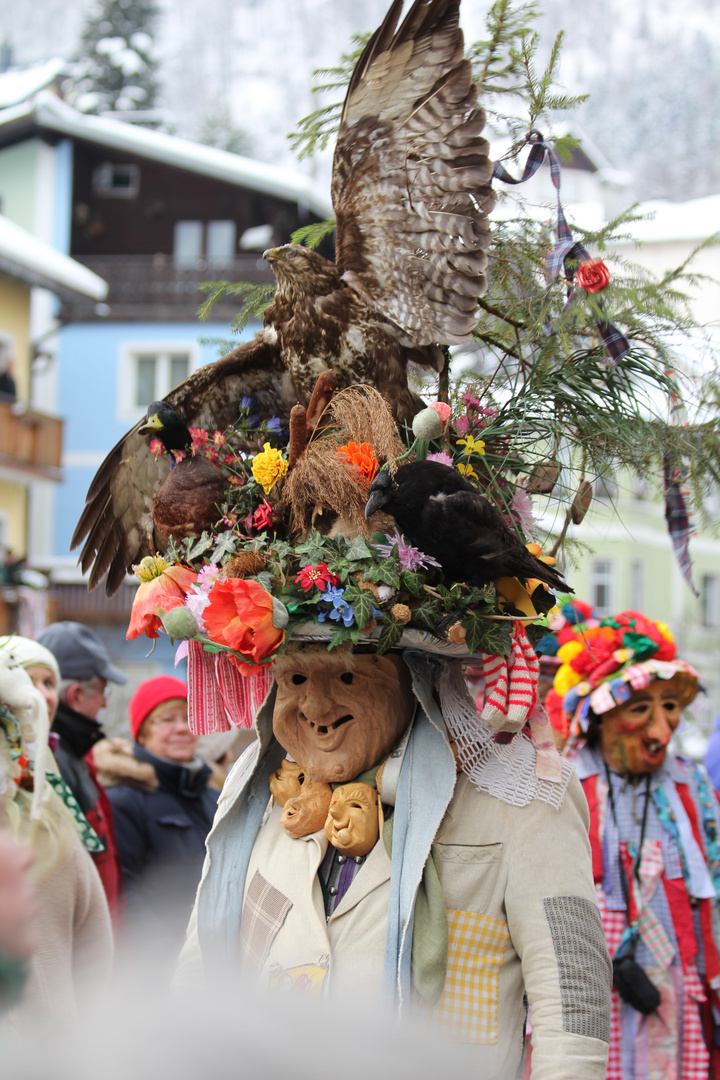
column 117, row 519
column 411, row 177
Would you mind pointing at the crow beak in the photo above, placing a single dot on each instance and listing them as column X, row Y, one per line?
column 376, row 500
column 153, row 423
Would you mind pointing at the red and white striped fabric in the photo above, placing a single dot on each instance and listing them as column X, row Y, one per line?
column 218, row 695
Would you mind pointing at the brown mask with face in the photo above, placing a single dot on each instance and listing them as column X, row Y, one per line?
column 341, row 713
column 352, row 824
column 285, row 782
column 307, row 812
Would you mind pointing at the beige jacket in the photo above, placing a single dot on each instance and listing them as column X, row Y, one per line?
column 522, row 915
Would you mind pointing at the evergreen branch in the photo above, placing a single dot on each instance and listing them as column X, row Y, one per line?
column 255, row 298
column 313, row 235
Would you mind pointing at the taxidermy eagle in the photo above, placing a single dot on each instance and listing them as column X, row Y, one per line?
column 411, row 192
column 443, row 515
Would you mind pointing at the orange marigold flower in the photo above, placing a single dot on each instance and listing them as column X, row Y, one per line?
column 162, row 587
column 362, row 457
column 240, row 616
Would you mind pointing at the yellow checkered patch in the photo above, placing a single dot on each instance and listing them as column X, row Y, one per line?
column 467, row 1010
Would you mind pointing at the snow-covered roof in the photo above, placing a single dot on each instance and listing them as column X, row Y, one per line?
column 18, row 84
column 32, row 260
column 47, row 111
column 693, row 220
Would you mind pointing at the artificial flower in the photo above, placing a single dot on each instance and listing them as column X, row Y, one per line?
column 199, row 439
column 362, row 457
column 593, row 275
column 156, row 449
column 268, row 466
column 341, row 611
column 472, row 445
column 467, row 471
column 521, row 511
column 442, row 457
column 409, row 557
column 240, row 616
column 442, row 409
column 163, row 586
column 316, row 577
column 218, row 438
column 262, row 518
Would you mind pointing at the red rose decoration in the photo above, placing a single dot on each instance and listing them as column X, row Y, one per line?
column 593, row 275
column 240, row 615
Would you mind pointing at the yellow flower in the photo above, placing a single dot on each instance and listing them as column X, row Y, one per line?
column 472, row 445
column 467, row 471
column 268, row 466
column 665, row 631
column 150, row 567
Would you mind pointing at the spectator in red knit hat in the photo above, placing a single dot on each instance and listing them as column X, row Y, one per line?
column 162, row 814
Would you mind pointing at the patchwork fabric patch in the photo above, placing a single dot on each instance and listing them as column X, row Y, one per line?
column 264, row 911
column 467, row 1010
column 584, row 967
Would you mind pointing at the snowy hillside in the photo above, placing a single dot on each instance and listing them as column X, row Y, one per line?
column 649, row 65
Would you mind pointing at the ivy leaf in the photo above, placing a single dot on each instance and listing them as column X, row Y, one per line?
column 226, row 542
column 391, row 634
column 338, row 635
column 363, row 607
column 265, row 579
column 475, row 631
column 358, row 550
column 411, row 583
column 385, row 573
column 205, row 542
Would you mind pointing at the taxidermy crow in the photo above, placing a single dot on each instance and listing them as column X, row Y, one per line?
column 411, row 189
column 445, row 516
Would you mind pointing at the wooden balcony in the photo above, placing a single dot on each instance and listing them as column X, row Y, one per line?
column 154, row 288
column 30, row 441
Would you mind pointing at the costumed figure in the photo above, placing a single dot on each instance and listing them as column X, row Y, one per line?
column 71, row 930
column 350, row 554
column 654, row 837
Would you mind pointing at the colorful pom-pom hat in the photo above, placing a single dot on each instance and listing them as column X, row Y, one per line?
column 604, row 664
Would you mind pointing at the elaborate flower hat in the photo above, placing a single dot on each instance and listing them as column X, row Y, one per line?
column 604, row 664
column 566, row 622
column 290, row 552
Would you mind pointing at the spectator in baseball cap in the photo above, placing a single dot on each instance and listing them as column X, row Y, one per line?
column 85, row 671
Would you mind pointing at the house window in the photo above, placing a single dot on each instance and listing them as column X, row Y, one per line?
column 149, row 372
column 116, row 181
column 709, row 600
column 637, row 585
column 602, row 582
column 212, row 241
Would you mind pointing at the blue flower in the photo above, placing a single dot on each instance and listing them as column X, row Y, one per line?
column 341, row 610
column 273, row 424
column 247, row 402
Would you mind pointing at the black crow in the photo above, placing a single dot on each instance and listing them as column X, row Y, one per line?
column 446, row 517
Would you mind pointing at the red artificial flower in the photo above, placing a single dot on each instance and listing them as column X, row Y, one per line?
column 318, row 576
column 162, row 588
column 362, row 457
column 199, row 439
column 593, row 275
column 262, row 518
column 240, row 616
column 218, row 438
column 156, row 449
column 442, row 409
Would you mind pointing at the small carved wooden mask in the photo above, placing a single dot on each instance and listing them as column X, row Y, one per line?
column 338, row 715
column 352, row 821
column 285, row 782
column 306, row 813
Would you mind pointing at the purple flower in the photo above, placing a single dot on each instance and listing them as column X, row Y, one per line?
column 442, row 457
column 273, row 424
column 410, row 558
column 247, row 402
column 341, row 610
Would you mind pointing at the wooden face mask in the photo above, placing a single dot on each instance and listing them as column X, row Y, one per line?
column 341, row 715
column 352, row 824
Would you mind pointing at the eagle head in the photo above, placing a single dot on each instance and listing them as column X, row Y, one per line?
column 299, row 269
